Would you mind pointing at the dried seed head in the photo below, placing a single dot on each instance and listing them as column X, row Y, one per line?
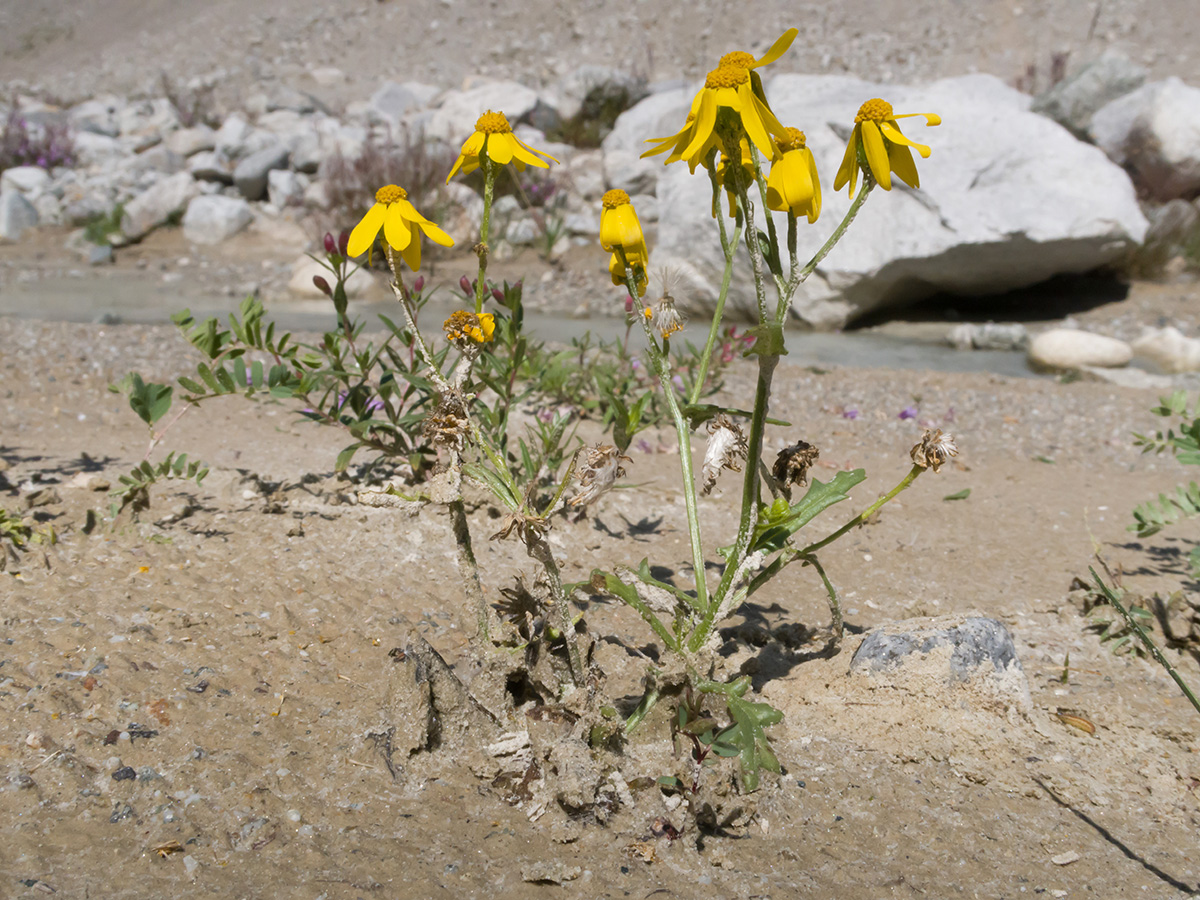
column 726, row 449
column 600, row 470
column 792, row 463
column 447, row 426
column 935, row 448
column 666, row 319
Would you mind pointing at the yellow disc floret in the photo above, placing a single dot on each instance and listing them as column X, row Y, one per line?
column 727, row 77
column 875, row 111
column 795, row 140
column 614, row 198
column 390, row 193
column 493, row 123
column 739, row 58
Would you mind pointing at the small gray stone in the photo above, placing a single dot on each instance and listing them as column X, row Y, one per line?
column 212, row 219
column 17, row 215
column 96, row 117
column 189, row 141
column 1074, row 100
column 25, row 179
column 250, row 176
column 286, row 188
column 158, row 205
column 100, row 255
column 989, row 336
column 208, row 165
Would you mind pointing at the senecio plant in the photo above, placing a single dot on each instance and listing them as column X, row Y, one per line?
column 458, row 390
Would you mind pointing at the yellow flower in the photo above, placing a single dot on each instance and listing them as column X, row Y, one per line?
column 494, row 139
column 793, row 183
column 620, row 228
column 400, row 222
column 877, row 133
column 747, row 60
column 726, row 87
column 478, row 327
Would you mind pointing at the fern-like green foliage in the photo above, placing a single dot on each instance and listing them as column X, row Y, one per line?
column 1182, row 441
column 133, row 490
column 746, row 737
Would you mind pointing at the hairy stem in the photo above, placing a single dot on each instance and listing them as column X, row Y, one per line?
column 481, row 249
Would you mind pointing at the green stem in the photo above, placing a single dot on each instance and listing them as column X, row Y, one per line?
column 1145, row 638
column 469, row 568
column 662, row 367
column 649, row 699
column 714, row 330
column 481, row 249
column 862, row 517
column 540, row 550
column 835, row 605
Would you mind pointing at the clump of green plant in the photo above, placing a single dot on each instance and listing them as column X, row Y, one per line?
column 1184, row 501
column 461, row 387
column 100, row 228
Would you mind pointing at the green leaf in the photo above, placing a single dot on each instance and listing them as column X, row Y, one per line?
column 494, row 483
column 343, row 458
column 628, row 594
column 959, row 495
column 777, row 525
column 192, row 387
column 749, row 735
column 150, row 401
column 643, row 573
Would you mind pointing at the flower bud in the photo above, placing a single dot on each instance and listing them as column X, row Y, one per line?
column 344, row 243
column 498, row 294
column 418, row 284
column 330, row 243
column 465, row 284
column 322, row 285
column 628, row 304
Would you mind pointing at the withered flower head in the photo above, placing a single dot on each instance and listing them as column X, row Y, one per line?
column 447, row 425
column 600, row 470
column 935, row 448
column 726, row 449
column 467, row 330
column 792, row 463
column 666, row 319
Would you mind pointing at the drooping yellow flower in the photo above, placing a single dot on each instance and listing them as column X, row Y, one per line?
column 620, row 228
column 726, row 87
column 463, row 325
column 400, row 222
column 747, row 60
column 494, row 138
column 885, row 148
column 793, row 183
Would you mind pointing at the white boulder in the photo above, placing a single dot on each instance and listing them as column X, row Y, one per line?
column 1008, row 199
column 1154, row 133
column 25, row 179
column 360, row 285
column 1074, row 100
column 17, row 215
column 158, row 204
column 1169, row 349
column 214, row 218
column 1061, row 349
column 455, row 119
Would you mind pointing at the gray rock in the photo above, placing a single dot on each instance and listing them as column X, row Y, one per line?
column 149, row 118
column 1006, row 201
column 49, row 209
column 454, row 120
column 213, row 219
column 158, row 158
column 282, row 97
column 189, row 141
column 25, row 179
column 286, row 188
column 989, row 336
column 1073, row 101
column 464, row 213
column 1169, row 349
column 17, row 215
column 522, row 231
column 208, row 165
column 1063, row 349
column 1135, row 379
column 97, row 150
column 1154, row 133
column 392, row 102
column 250, row 175
column 307, row 152
column 590, row 91
column 158, row 205
column 237, row 139
column 922, row 654
column 97, row 116
column 100, row 255
column 585, row 172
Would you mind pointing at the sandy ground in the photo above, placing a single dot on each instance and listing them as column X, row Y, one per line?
column 251, row 638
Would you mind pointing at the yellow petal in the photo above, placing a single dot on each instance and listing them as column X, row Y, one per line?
column 526, row 155
column 620, row 228
column 848, row 170
column 469, row 153
column 363, row 235
column 706, row 118
column 876, row 154
column 500, row 148
column 436, row 234
column 756, row 130
column 521, row 145
column 412, row 253
column 397, row 231
column 901, row 161
column 892, row 133
column 816, row 183
column 778, row 48
column 408, row 211
column 931, row 119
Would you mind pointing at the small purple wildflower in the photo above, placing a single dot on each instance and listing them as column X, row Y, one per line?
column 909, row 412
column 853, row 414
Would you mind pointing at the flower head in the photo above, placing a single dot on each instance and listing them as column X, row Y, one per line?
column 793, row 183
column 747, row 60
column 665, row 318
column 726, row 87
column 400, row 222
column 463, row 326
column 935, row 448
column 494, row 139
column 621, row 230
column 727, row 176
column 792, row 464
column 878, row 140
